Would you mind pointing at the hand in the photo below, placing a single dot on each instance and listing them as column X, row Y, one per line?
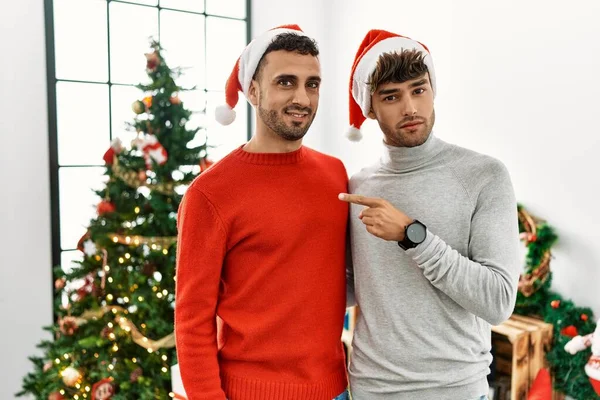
column 380, row 217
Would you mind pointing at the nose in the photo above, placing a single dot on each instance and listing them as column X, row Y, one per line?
column 409, row 108
column 301, row 97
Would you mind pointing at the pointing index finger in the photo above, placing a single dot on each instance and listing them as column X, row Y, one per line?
column 359, row 199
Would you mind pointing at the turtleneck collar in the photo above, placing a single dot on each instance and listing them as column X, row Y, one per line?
column 292, row 157
column 401, row 159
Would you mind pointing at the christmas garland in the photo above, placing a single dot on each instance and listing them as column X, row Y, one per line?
column 136, row 179
column 165, row 342
column 536, row 299
column 157, row 242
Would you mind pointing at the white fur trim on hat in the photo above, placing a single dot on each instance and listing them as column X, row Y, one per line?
column 361, row 90
column 253, row 53
column 354, row 134
column 224, row 114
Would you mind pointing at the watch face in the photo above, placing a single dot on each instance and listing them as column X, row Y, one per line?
column 416, row 232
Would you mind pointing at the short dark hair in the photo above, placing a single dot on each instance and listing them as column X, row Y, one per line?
column 289, row 42
column 398, row 67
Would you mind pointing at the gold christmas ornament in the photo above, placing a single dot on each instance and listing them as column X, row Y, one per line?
column 138, row 107
column 70, row 376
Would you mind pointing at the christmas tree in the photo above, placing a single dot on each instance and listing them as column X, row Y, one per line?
column 113, row 338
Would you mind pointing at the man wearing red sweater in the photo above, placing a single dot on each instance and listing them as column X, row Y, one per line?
column 261, row 287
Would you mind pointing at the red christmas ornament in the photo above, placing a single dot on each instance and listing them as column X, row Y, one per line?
column 570, row 331
column 175, row 100
column 532, row 238
column 555, row 303
column 106, row 331
column 86, row 288
column 152, row 150
column 109, row 156
column 59, row 283
column 142, row 176
column 56, row 396
column 584, row 317
column 48, row 366
column 115, row 148
column 205, row 164
column 152, row 61
column 103, row 390
column 68, row 325
column 106, row 206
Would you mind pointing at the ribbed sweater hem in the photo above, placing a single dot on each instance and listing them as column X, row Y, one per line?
column 240, row 388
column 470, row 391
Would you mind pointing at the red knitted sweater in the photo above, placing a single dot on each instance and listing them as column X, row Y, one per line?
column 261, row 246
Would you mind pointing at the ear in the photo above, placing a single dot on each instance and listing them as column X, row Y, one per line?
column 371, row 114
column 253, row 92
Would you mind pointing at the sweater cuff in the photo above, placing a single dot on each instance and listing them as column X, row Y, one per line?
column 425, row 250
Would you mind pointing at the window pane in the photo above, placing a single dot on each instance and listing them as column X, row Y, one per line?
column 67, row 258
column 230, row 8
column 195, row 101
column 77, row 201
column 182, row 37
column 131, row 26
column 226, row 138
column 121, row 112
column 80, row 40
column 187, row 5
column 82, row 121
column 226, row 40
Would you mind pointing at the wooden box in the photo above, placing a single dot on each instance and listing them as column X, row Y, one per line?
column 520, row 345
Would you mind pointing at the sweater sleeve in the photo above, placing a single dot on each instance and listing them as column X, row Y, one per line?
column 484, row 282
column 200, row 254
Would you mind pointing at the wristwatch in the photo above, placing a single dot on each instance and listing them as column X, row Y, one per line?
column 414, row 234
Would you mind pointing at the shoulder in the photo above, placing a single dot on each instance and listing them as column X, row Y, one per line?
column 478, row 173
column 224, row 171
column 326, row 160
column 361, row 176
column 471, row 165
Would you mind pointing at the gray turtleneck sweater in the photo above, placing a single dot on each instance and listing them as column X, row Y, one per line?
column 423, row 331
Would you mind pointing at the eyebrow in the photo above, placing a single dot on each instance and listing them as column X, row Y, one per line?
column 294, row 77
column 420, row 82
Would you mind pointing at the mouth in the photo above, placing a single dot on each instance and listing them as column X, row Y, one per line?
column 411, row 125
column 298, row 115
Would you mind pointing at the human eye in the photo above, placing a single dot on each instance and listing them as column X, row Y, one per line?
column 285, row 83
column 419, row 91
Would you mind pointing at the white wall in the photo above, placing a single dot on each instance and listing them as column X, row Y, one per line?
column 516, row 80
column 25, row 263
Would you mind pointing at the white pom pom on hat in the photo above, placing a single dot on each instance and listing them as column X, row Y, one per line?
column 376, row 43
column 241, row 76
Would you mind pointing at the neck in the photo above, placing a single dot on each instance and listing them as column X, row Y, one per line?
column 400, row 159
column 267, row 141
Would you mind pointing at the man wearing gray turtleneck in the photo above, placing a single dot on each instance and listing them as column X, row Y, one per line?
column 434, row 239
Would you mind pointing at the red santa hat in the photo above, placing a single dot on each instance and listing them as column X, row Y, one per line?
column 244, row 69
column 376, row 43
